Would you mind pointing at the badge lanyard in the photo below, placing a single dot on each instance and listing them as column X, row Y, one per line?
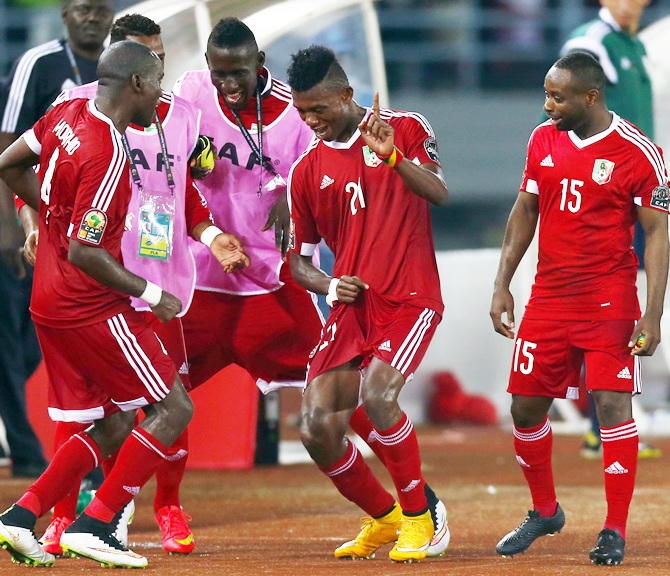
column 156, row 211
column 73, row 63
column 166, row 161
column 257, row 149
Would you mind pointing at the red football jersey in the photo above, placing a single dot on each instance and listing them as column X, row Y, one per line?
column 589, row 191
column 84, row 196
column 377, row 229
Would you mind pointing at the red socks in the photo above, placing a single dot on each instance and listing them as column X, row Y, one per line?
column 360, row 423
column 355, row 481
column 400, row 454
column 74, row 459
column 398, row 450
column 138, row 459
column 67, row 507
column 620, row 445
column 171, row 472
column 533, row 452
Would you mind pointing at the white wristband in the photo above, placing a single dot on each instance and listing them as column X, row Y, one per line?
column 152, row 294
column 331, row 297
column 208, row 235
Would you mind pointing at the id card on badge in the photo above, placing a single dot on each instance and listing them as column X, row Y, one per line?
column 155, row 226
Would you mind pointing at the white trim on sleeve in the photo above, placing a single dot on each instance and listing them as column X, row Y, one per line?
column 307, row 249
column 531, row 187
column 31, row 140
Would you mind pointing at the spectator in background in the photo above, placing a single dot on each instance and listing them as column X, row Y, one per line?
column 612, row 40
column 35, row 81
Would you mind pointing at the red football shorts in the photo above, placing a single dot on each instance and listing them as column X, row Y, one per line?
column 269, row 335
column 96, row 370
column 397, row 334
column 548, row 357
column 171, row 334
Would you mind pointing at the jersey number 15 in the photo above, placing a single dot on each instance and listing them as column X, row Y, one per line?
column 574, row 201
column 523, row 348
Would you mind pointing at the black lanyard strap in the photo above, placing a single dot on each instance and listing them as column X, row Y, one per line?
column 134, row 172
column 73, row 63
column 257, row 149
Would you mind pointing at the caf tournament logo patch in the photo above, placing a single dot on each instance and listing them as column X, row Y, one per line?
column 430, row 146
column 602, row 171
column 659, row 197
column 93, row 226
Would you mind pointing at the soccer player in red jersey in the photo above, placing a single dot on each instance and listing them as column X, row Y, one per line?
column 102, row 359
column 589, row 176
column 364, row 186
column 175, row 272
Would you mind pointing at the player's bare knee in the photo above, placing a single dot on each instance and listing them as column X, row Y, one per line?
column 527, row 412
column 110, row 433
column 381, row 403
column 312, row 427
column 613, row 408
column 180, row 411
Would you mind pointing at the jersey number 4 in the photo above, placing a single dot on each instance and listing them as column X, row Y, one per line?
column 45, row 190
column 573, row 201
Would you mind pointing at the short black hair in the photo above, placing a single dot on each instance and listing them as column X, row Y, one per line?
column 133, row 25
column 120, row 60
column 311, row 66
column 66, row 4
column 231, row 32
column 585, row 70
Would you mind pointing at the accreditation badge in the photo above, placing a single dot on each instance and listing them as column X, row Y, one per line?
column 156, row 225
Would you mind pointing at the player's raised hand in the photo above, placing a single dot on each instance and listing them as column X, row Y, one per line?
column 376, row 133
column 228, row 251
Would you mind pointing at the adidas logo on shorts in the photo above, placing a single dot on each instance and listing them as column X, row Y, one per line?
column 625, row 374
column 385, row 346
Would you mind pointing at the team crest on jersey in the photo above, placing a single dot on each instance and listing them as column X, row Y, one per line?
column 370, row 157
column 659, row 197
column 93, row 226
column 430, row 145
column 602, row 171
